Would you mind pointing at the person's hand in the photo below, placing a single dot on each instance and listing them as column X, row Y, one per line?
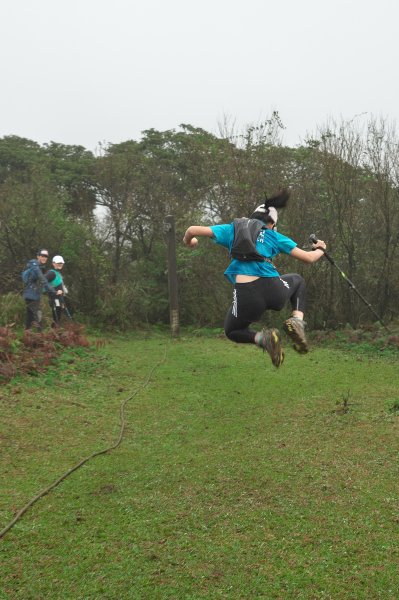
column 191, row 243
column 59, row 293
column 320, row 245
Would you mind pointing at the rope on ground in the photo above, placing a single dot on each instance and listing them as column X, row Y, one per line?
column 85, row 460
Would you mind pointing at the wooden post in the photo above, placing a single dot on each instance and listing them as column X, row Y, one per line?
column 169, row 227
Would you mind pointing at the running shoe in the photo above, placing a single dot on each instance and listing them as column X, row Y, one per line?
column 295, row 329
column 271, row 343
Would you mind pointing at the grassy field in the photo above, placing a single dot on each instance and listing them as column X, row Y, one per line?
column 234, row 480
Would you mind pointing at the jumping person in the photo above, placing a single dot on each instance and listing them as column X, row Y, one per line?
column 56, row 282
column 34, row 283
column 257, row 284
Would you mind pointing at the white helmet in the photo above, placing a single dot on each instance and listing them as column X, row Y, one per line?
column 58, row 259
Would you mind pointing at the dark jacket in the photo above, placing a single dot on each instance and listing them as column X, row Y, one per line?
column 36, row 282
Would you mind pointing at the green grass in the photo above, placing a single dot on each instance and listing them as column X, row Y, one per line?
column 234, row 480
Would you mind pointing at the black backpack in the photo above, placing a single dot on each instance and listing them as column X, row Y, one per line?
column 246, row 233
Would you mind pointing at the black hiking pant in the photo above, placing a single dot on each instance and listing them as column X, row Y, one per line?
column 33, row 314
column 250, row 300
column 61, row 309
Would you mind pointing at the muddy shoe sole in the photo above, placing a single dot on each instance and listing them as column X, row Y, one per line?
column 297, row 335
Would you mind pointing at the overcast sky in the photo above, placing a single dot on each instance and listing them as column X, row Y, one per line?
column 89, row 71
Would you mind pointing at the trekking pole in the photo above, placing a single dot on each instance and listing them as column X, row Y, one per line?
column 68, row 314
column 313, row 240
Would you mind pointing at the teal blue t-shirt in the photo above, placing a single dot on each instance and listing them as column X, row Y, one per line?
column 270, row 243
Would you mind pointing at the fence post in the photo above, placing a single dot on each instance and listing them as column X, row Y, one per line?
column 169, row 227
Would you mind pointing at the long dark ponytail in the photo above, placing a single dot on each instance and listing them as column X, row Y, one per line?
column 277, row 200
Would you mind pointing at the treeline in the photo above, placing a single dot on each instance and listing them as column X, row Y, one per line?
column 105, row 214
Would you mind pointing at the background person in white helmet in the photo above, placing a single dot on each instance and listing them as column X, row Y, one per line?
column 56, row 281
column 257, row 284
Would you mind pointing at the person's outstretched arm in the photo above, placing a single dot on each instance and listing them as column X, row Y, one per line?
column 309, row 257
column 190, row 237
column 44, row 281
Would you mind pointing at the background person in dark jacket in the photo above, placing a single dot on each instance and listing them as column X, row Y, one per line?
column 34, row 284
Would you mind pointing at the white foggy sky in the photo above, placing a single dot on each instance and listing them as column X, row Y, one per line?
column 89, row 71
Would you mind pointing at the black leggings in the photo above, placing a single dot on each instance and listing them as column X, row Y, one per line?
column 250, row 300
